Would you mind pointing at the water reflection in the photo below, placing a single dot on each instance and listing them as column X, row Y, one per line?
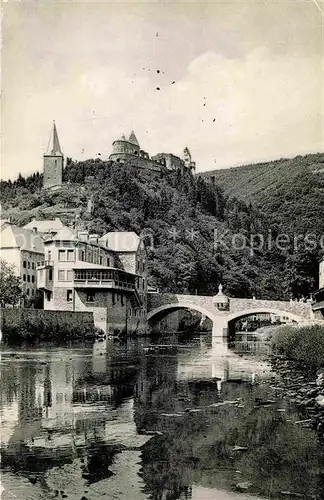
column 172, row 419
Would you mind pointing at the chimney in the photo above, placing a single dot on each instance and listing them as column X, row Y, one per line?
column 83, row 235
column 93, row 238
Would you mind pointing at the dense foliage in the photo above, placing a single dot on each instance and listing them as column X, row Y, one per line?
column 198, row 235
column 304, row 345
column 290, row 194
column 10, row 285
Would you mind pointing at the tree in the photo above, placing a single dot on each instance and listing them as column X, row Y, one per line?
column 10, row 285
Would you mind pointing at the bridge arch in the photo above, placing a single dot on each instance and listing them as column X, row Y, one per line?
column 175, row 306
column 263, row 310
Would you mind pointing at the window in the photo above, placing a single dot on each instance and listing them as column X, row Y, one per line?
column 28, row 265
column 33, row 265
column 33, row 279
column 33, row 292
column 91, row 296
column 28, row 278
column 49, row 255
column 24, row 264
column 48, row 296
column 113, row 298
column 82, row 255
column 108, row 262
column 69, row 275
column 61, row 274
column 38, row 264
column 24, row 277
column 69, row 295
column 70, row 255
column 41, row 274
column 100, row 261
column 61, row 255
column 50, row 275
column 27, row 291
column 122, row 299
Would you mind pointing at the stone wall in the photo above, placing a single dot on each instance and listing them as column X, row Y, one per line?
column 137, row 161
column 53, row 168
column 113, row 312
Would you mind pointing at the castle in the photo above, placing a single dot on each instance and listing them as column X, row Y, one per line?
column 124, row 151
column 129, row 150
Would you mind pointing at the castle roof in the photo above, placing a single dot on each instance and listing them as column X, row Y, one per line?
column 56, row 148
column 133, row 139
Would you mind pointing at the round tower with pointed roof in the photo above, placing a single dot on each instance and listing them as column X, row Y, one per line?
column 126, row 146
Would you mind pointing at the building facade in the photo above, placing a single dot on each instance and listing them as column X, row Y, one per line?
column 24, row 249
column 321, row 273
column 105, row 276
column 53, row 163
column 318, row 296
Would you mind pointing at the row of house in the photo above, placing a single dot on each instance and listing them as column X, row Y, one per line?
column 77, row 271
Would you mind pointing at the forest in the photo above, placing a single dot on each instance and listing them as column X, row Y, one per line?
column 200, row 234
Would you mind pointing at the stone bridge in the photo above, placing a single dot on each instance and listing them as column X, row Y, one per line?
column 160, row 305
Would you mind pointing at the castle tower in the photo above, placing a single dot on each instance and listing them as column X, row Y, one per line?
column 53, row 163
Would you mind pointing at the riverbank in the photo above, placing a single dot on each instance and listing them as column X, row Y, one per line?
column 297, row 357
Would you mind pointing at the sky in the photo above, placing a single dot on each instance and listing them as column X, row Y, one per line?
column 235, row 81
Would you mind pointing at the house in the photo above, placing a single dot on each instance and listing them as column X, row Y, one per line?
column 25, row 250
column 106, row 276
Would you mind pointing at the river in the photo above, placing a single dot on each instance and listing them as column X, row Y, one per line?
column 163, row 419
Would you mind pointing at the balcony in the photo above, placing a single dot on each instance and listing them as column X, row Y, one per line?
column 46, row 264
column 45, row 278
column 93, row 283
column 108, row 279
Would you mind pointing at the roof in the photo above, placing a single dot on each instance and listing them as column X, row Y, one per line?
column 19, row 237
column 133, row 139
column 56, row 148
column 4, row 221
column 45, row 226
column 64, row 234
column 122, row 241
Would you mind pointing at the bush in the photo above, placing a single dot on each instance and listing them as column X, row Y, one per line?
column 304, row 345
column 26, row 332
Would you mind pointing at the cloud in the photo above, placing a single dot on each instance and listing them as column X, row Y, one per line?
column 229, row 109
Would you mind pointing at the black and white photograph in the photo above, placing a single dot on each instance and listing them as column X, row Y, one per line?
column 162, row 250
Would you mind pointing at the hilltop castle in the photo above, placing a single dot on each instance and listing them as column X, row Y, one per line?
column 124, row 151
column 129, row 150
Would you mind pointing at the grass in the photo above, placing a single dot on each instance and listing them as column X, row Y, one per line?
column 305, row 345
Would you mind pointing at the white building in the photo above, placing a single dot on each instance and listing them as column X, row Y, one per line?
column 25, row 250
